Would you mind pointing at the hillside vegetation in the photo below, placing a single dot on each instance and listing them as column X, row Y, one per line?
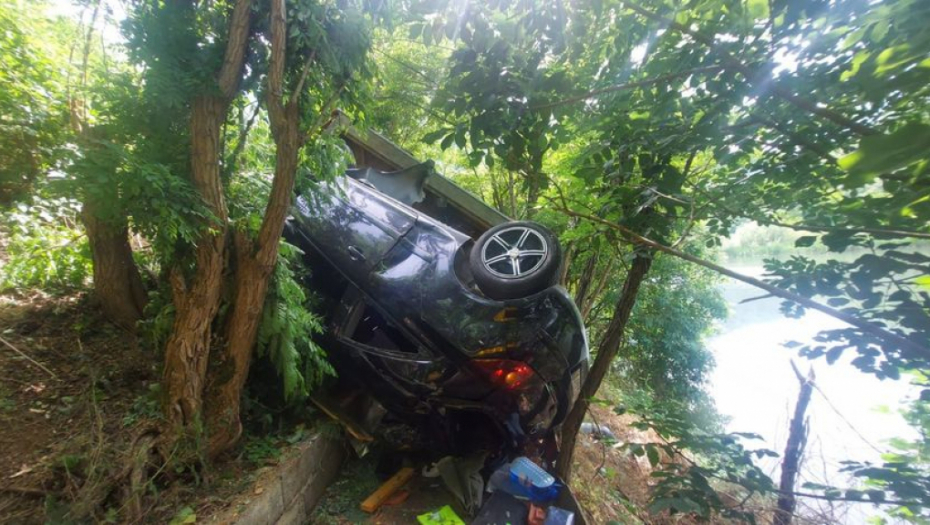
column 149, row 153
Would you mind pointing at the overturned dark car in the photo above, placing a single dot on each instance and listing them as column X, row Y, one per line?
column 468, row 341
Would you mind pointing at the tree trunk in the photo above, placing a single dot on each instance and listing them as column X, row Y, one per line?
column 601, row 285
column 197, row 292
column 197, row 298
column 566, row 269
column 117, row 283
column 584, row 281
column 606, row 351
column 228, row 370
column 255, row 262
column 534, row 182
column 794, row 449
column 254, row 267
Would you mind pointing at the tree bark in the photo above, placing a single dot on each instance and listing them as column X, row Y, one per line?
column 117, row 282
column 606, row 351
column 197, row 299
column 228, row 370
column 254, row 266
column 794, row 449
column 255, row 261
column 197, row 292
column 584, row 281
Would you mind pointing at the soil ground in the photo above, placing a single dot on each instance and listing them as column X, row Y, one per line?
column 74, row 394
column 70, row 384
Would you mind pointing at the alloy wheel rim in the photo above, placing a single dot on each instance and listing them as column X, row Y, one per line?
column 514, row 252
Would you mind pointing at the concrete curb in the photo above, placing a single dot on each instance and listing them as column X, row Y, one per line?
column 287, row 493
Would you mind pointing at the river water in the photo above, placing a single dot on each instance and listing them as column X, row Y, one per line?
column 852, row 416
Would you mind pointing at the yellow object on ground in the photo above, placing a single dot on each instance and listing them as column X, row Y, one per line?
column 385, row 491
column 443, row 516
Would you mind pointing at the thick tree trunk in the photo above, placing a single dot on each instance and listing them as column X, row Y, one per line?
column 197, row 297
column 606, row 351
column 228, row 370
column 794, row 449
column 117, row 282
column 197, row 292
column 254, row 267
column 255, row 261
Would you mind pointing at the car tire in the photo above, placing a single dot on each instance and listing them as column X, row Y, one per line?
column 515, row 259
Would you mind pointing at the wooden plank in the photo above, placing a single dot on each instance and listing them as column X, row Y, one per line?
column 353, row 427
column 388, row 488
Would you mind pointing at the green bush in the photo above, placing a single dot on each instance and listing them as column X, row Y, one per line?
column 46, row 248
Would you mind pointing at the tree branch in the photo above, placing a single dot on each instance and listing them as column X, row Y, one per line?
column 231, row 71
column 278, row 23
column 812, row 227
column 303, row 74
column 866, row 326
column 27, row 358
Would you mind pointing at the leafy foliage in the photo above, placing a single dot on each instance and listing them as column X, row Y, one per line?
column 693, row 467
column 677, row 120
column 44, row 249
column 665, row 351
column 809, row 116
column 286, row 330
column 33, row 107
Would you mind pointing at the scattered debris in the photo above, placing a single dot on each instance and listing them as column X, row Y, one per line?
column 25, row 469
column 387, row 489
column 599, row 432
column 443, row 516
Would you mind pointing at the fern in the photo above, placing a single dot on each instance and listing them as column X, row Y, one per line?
column 286, row 329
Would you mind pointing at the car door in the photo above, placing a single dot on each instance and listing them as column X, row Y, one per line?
column 352, row 225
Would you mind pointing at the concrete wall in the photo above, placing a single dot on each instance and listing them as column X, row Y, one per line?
column 287, row 493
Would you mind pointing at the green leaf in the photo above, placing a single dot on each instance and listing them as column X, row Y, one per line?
column 653, row 454
column 758, row 8
column 433, row 136
column 880, row 154
column 879, row 30
column 805, row 241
